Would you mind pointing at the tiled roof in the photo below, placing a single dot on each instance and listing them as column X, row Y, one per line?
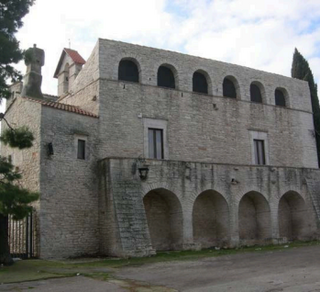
column 75, row 56
column 50, row 95
column 63, row 106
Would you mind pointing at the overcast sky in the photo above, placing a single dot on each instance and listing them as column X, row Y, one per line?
column 261, row 34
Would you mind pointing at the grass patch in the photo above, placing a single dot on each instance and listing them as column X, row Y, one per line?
column 29, row 270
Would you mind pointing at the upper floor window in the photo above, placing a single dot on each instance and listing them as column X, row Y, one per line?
column 259, row 146
column 166, row 77
column 155, row 140
column 280, row 97
column 259, row 152
column 255, row 93
column 199, row 83
column 81, row 153
column 128, row 71
column 229, row 88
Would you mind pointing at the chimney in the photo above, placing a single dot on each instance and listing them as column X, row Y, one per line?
column 34, row 60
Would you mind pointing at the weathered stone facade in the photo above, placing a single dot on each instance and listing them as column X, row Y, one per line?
column 206, row 191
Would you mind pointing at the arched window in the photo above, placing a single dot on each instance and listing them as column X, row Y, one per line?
column 128, row 71
column 229, row 89
column 279, row 97
column 255, row 93
column 166, row 77
column 199, row 83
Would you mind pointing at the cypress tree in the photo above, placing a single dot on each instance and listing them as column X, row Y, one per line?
column 301, row 70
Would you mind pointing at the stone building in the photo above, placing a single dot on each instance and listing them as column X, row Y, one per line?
column 146, row 149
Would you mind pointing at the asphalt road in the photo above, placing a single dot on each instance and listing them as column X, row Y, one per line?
column 291, row 270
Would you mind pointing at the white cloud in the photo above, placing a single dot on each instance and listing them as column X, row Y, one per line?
column 258, row 34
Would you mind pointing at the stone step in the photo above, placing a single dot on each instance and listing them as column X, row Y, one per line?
column 314, row 191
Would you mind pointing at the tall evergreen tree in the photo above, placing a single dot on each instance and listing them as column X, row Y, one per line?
column 11, row 13
column 301, row 70
column 14, row 200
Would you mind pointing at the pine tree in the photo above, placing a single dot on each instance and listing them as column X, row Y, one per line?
column 14, row 200
column 11, row 13
column 301, row 70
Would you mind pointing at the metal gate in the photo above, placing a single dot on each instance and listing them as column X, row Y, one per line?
column 22, row 236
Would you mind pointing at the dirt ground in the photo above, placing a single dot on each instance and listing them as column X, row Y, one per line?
column 297, row 269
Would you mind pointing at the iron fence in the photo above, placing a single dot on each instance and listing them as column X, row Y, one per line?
column 22, row 236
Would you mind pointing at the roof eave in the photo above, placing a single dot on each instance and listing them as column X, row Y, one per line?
column 59, row 64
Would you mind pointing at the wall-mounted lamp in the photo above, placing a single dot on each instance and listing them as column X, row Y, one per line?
column 140, row 165
column 50, row 149
column 143, row 172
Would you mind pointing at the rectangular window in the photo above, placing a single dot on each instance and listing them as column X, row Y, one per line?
column 81, row 149
column 259, row 152
column 155, row 141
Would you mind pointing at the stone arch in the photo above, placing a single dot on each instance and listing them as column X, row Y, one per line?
column 210, row 219
column 129, row 70
column 254, row 218
column 167, row 76
column 165, row 221
column 201, row 82
column 281, row 97
column 292, row 215
column 257, row 92
column 231, row 87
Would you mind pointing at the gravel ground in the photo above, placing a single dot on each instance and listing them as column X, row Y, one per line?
column 291, row 270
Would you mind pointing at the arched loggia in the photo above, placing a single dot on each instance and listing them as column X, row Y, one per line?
column 210, row 219
column 254, row 218
column 164, row 216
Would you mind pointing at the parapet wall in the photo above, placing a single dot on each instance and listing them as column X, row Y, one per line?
column 149, row 60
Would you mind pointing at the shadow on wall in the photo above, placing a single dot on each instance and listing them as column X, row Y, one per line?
column 211, row 219
column 164, row 215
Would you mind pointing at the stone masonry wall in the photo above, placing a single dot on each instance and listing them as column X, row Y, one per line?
column 208, row 128
column 26, row 113
column 186, row 181
column 123, row 225
column 86, row 98
column 69, row 196
column 202, row 128
column 84, row 90
column 149, row 60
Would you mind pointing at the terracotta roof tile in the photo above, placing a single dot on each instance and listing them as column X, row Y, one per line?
column 75, row 56
column 63, row 106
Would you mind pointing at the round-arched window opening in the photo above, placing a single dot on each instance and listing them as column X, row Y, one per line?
column 166, row 77
column 128, row 71
column 229, row 88
column 280, row 99
column 199, row 83
column 255, row 93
